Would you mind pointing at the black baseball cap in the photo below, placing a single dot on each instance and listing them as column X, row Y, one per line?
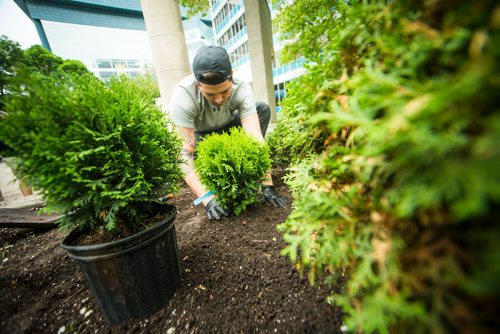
column 212, row 59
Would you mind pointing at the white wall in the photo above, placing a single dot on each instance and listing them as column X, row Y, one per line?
column 88, row 43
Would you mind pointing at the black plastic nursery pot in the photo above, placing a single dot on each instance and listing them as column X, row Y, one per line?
column 134, row 276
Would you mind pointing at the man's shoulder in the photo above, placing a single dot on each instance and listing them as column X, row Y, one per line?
column 188, row 82
column 241, row 89
column 238, row 82
column 185, row 91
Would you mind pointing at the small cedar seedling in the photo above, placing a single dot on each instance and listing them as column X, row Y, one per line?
column 233, row 165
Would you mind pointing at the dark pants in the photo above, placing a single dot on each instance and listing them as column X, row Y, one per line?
column 263, row 112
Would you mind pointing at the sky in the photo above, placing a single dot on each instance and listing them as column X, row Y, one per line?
column 16, row 25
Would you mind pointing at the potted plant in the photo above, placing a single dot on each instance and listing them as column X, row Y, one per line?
column 233, row 165
column 102, row 155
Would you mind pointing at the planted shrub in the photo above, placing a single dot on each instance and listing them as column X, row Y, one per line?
column 399, row 188
column 100, row 153
column 233, row 165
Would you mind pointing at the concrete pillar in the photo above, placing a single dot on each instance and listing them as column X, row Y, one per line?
column 168, row 44
column 260, row 46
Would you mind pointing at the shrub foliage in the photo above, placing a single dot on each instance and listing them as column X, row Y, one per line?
column 100, row 153
column 233, row 165
column 396, row 178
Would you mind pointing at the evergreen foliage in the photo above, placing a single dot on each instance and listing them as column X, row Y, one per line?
column 72, row 66
column 396, row 183
column 42, row 60
column 233, row 165
column 195, row 6
column 101, row 154
column 10, row 55
column 148, row 82
column 37, row 58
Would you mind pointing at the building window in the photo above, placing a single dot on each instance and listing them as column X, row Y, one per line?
column 240, row 51
column 133, row 64
column 103, row 63
column 225, row 11
column 233, row 31
column 105, row 75
column 280, row 92
column 110, row 67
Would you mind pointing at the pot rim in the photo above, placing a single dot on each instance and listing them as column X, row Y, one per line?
column 133, row 239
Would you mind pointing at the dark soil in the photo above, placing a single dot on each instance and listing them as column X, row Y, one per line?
column 234, row 280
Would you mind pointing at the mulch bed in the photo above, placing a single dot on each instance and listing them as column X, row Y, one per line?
column 234, row 280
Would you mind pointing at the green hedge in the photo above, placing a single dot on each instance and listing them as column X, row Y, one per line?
column 398, row 188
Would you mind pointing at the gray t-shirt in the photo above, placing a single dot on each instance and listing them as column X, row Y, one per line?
column 189, row 109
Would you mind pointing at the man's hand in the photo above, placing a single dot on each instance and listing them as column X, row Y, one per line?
column 215, row 211
column 271, row 196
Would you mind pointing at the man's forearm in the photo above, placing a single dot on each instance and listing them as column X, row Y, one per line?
column 268, row 181
column 191, row 178
column 188, row 149
column 196, row 187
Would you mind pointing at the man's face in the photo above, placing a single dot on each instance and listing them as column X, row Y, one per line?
column 218, row 94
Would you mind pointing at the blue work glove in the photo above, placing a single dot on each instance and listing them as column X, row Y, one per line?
column 215, row 211
column 271, row 196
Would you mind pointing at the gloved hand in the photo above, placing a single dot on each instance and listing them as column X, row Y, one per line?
column 215, row 211
column 271, row 196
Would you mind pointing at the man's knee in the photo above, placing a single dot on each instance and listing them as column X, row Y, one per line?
column 264, row 113
column 263, row 110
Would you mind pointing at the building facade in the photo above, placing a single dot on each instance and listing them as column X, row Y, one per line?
column 230, row 32
column 108, row 36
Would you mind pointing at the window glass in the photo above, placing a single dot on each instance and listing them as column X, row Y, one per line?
column 103, row 63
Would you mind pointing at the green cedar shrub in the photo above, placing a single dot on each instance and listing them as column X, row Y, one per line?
column 101, row 154
column 233, row 165
column 398, row 189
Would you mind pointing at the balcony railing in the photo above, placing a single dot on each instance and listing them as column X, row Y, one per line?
column 241, row 61
column 228, row 18
column 279, row 70
column 241, row 34
column 215, row 6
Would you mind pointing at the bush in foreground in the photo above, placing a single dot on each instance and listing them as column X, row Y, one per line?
column 399, row 191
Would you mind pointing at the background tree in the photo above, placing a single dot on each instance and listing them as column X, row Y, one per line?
column 10, row 55
column 72, row 66
column 148, row 82
column 36, row 57
column 196, row 6
column 42, row 59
